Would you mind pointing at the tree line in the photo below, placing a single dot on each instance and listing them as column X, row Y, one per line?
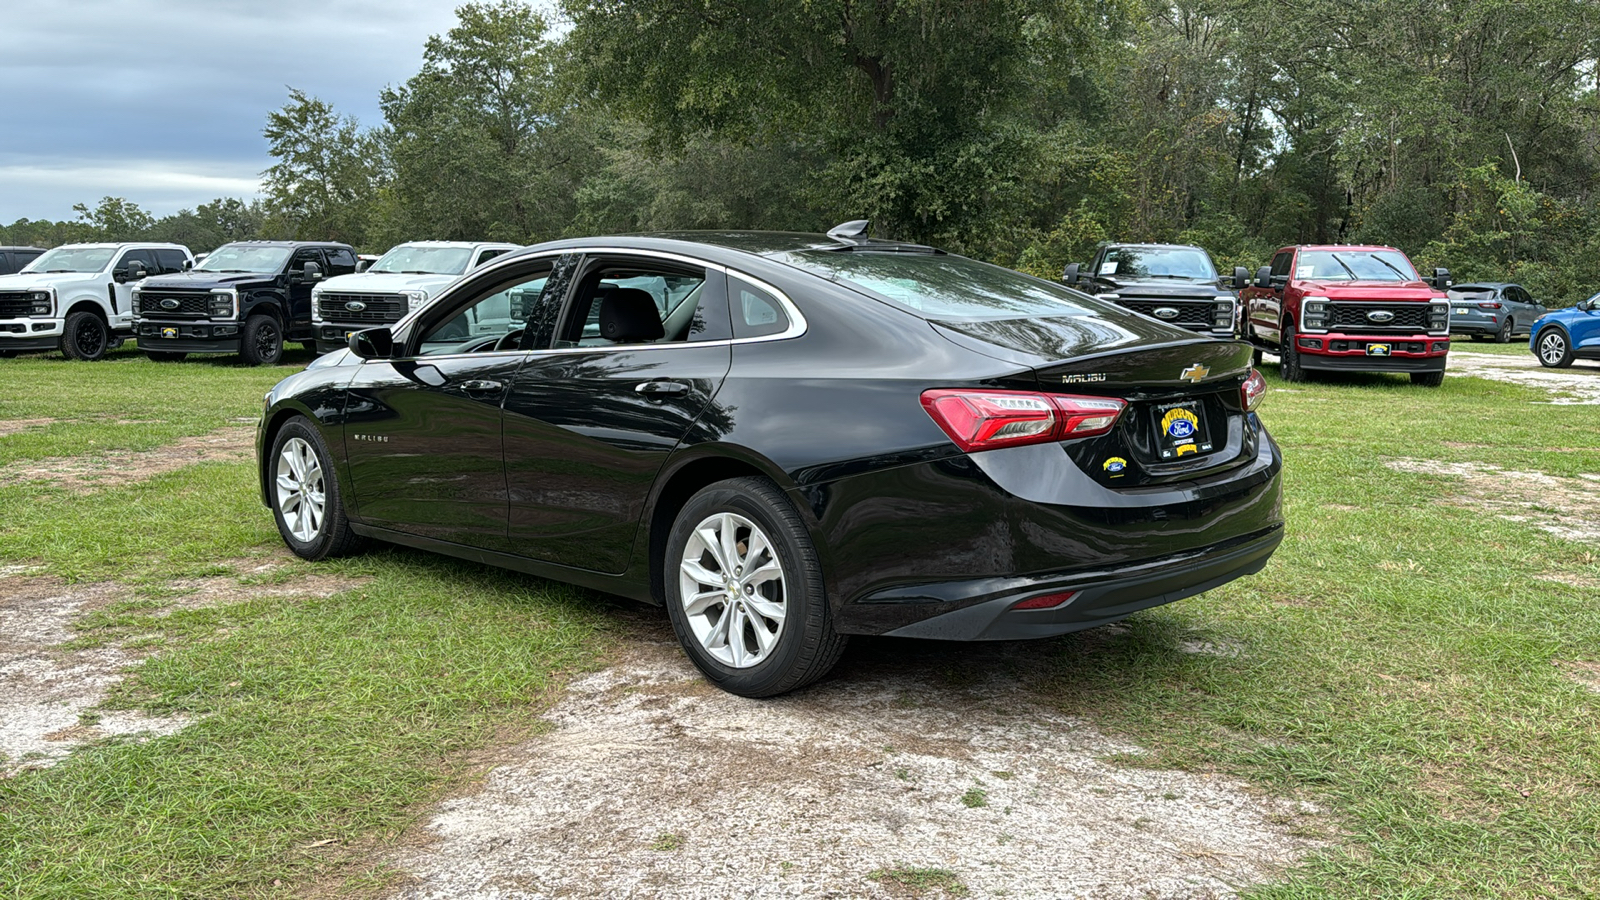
column 1465, row 132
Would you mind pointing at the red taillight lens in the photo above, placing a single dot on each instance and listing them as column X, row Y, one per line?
column 983, row 420
column 1045, row 601
column 1488, row 306
column 1251, row 392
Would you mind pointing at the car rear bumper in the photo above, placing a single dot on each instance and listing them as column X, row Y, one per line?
column 1474, row 326
column 1097, row 598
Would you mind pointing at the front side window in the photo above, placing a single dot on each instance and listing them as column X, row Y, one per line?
column 81, row 260
column 493, row 321
column 1185, row 263
column 1353, row 265
column 420, row 259
column 341, row 261
column 170, row 261
column 1280, row 264
column 240, row 258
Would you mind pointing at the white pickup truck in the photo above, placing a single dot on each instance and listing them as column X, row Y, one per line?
column 78, row 297
column 404, row 278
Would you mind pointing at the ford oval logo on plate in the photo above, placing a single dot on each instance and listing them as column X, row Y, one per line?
column 169, row 303
column 1380, row 315
column 355, row 306
column 1166, row 312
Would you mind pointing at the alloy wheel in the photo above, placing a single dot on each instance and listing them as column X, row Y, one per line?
column 268, row 341
column 301, row 494
column 89, row 338
column 733, row 590
column 1552, row 348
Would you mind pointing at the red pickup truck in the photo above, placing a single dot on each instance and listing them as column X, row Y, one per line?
column 1351, row 309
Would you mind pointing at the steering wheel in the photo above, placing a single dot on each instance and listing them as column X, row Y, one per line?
column 509, row 341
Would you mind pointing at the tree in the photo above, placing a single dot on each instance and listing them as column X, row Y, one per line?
column 114, row 219
column 326, row 175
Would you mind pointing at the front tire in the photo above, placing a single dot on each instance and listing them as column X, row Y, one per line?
column 745, row 592
column 261, row 343
column 85, row 337
column 1289, row 357
column 306, row 502
column 1553, row 349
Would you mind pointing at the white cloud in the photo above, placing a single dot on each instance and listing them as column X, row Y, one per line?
column 31, row 190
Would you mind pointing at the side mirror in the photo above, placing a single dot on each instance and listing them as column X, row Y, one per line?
column 133, row 272
column 362, row 265
column 1441, row 279
column 188, row 264
column 1241, row 278
column 1070, row 276
column 1264, row 277
column 313, row 272
column 373, row 343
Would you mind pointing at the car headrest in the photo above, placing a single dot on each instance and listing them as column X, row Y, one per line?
column 629, row 316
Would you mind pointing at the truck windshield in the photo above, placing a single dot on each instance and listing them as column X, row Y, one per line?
column 945, row 287
column 1353, row 265
column 242, row 258
column 72, row 259
column 414, row 259
column 1157, row 262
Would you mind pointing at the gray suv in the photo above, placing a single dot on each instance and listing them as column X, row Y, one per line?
column 1494, row 309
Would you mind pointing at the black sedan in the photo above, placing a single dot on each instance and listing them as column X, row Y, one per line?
column 788, row 439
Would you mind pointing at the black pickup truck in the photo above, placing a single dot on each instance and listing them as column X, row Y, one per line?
column 247, row 298
column 1175, row 283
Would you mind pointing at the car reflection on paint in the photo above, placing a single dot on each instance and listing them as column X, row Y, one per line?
column 786, row 440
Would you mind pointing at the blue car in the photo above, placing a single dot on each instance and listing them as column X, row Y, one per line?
column 1567, row 334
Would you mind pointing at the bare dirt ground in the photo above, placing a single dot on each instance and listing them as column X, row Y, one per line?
column 1564, row 507
column 88, row 473
column 1579, row 384
column 654, row 784
column 48, row 692
column 17, row 426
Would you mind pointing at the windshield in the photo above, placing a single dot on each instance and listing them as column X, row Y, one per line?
column 1186, row 263
column 1353, row 265
column 72, row 259
column 413, row 259
column 244, row 258
column 944, row 287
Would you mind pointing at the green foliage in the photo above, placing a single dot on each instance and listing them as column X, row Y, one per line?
column 326, row 172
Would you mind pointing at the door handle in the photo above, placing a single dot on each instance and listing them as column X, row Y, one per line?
column 481, row 386
column 661, row 388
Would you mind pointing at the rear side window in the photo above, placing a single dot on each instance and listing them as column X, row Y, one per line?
column 689, row 306
column 756, row 313
column 945, row 287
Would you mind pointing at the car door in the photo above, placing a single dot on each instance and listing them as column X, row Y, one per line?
column 1266, row 303
column 1586, row 327
column 119, row 292
column 298, row 290
column 423, row 428
column 595, row 410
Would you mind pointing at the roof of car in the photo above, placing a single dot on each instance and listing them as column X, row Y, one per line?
column 1341, row 247
column 1487, row 285
column 40, row 249
column 1151, row 246
column 114, row 244
column 294, row 244
column 457, row 244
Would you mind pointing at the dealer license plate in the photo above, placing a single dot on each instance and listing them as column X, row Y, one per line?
column 1181, row 429
column 169, row 332
column 1377, row 349
column 1462, row 312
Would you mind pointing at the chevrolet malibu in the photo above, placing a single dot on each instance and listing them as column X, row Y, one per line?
column 787, row 440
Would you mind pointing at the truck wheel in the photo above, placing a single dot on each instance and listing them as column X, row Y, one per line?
column 1289, row 357
column 745, row 593
column 1255, row 357
column 85, row 337
column 262, row 343
column 1554, row 351
column 306, row 502
column 1503, row 336
column 1427, row 379
column 165, row 356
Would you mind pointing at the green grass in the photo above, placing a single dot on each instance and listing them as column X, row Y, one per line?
column 919, row 882
column 1397, row 664
column 1517, row 347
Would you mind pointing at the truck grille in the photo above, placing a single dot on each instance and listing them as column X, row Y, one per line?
column 190, row 305
column 1408, row 317
column 379, row 307
column 15, row 304
column 1191, row 313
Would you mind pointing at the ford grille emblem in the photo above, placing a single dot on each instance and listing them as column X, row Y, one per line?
column 355, row 306
column 1380, row 315
column 169, row 303
column 1166, row 312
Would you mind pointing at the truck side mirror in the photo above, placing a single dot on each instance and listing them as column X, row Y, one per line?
column 362, row 265
column 133, row 272
column 1264, row 277
column 1441, row 279
column 313, row 272
column 1070, row 276
column 373, row 343
column 188, row 264
column 1241, row 278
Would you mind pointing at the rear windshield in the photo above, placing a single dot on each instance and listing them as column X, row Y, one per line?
column 945, row 287
column 1353, row 265
column 1185, row 263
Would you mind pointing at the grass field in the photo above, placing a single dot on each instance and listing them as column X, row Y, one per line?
column 1411, row 661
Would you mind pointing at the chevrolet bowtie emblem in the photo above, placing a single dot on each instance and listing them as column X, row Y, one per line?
column 1194, row 373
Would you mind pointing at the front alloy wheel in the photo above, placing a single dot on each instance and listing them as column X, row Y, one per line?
column 745, row 592
column 1554, row 351
column 305, row 494
column 85, row 337
column 302, row 494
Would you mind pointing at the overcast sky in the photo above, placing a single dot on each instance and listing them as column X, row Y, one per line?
column 162, row 101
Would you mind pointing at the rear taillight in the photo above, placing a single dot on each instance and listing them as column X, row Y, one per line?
column 1251, row 392
column 1488, row 306
column 984, row 420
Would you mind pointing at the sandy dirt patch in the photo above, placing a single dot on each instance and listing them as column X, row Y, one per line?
column 1579, row 384
column 88, row 473
column 1584, row 672
column 17, row 426
column 1565, row 507
column 653, row 784
column 48, row 692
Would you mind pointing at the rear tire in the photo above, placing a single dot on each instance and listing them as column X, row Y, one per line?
column 1553, row 348
column 1503, row 336
column 163, row 356
column 85, row 337
column 1289, row 357
column 764, row 628
column 261, row 343
column 1427, row 379
column 304, row 493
